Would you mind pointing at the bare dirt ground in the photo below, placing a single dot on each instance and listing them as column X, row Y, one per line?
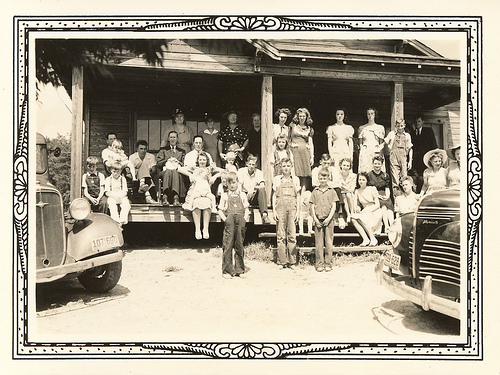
column 178, row 295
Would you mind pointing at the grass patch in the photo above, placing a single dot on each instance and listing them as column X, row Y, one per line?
column 260, row 251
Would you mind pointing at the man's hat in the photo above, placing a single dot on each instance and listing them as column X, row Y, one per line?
column 232, row 110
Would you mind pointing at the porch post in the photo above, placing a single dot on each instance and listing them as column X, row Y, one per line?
column 397, row 109
column 267, row 130
column 76, row 132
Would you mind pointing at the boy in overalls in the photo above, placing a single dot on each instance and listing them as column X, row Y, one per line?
column 401, row 152
column 234, row 212
column 93, row 186
column 286, row 213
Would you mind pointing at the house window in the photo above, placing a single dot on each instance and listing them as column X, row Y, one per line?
column 152, row 129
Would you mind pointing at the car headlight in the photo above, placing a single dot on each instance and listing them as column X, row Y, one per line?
column 395, row 232
column 79, row 209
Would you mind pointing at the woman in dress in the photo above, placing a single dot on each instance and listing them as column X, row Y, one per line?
column 453, row 170
column 184, row 133
column 302, row 146
column 371, row 140
column 283, row 115
column 199, row 198
column 435, row 174
column 367, row 216
column 340, row 144
column 209, row 135
column 233, row 138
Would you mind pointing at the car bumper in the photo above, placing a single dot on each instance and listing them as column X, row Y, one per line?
column 423, row 297
column 54, row 273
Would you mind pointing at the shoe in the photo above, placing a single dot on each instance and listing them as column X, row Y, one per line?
column 143, row 188
column 282, row 266
column 176, row 201
column 165, row 201
column 265, row 218
column 364, row 243
column 241, row 275
column 197, row 235
column 320, row 269
column 150, row 200
column 328, row 268
column 227, row 276
column 341, row 223
column 206, row 235
column 373, row 243
column 291, row 266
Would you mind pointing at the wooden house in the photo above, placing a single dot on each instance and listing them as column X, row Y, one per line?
column 399, row 77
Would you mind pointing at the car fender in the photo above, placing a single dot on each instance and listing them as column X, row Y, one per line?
column 83, row 232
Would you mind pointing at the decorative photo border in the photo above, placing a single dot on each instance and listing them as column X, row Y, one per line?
column 24, row 348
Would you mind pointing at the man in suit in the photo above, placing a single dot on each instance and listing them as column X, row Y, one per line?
column 169, row 159
column 423, row 140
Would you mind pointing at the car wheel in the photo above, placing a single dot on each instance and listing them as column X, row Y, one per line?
column 102, row 278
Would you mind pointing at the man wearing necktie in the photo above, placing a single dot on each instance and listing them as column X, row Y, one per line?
column 169, row 159
column 423, row 140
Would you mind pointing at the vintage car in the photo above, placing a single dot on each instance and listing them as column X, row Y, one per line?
column 424, row 264
column 76, row 244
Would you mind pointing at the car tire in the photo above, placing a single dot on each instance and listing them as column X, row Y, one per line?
column 102, row 278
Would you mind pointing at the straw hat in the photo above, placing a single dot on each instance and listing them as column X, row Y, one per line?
column 429, row 154
column 451, row 152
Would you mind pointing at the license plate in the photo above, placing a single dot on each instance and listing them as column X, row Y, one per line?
column 105, row 243
column 392, row 260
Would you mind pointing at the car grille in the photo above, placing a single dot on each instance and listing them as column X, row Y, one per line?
column 50, row 229
column 441, row 260
column 437, row 213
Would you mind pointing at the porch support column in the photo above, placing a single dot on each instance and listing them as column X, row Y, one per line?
column 397, row 110
column 76, row 132
column 266, row 117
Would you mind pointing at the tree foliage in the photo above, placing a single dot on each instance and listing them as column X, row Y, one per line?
column 55, row 58
column 60, row 166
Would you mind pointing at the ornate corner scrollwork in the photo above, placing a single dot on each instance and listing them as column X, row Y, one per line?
column 247, row 23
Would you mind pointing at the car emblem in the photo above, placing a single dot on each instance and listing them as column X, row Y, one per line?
column 41, row 204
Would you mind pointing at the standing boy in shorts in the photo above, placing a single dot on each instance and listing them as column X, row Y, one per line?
column 234, row 212
column 324, row 203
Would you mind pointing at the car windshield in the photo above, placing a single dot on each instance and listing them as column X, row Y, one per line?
column 41, row 159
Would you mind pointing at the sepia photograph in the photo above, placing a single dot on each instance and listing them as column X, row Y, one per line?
column 247, row 187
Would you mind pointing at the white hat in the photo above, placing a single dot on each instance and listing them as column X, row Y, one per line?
column 429, row 154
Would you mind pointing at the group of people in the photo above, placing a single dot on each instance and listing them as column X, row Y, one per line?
column 187, row 166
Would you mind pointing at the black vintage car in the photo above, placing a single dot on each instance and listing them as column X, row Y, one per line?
column 425, row 261
column 79, row 244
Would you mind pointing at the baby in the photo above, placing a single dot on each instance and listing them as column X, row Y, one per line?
column 118, row 157
column 305, row 214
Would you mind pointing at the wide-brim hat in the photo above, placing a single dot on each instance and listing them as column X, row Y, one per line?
column 451, row 152
column 232, row 110
column 429, row 154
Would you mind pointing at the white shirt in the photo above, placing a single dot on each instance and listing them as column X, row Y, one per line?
column 248, row 182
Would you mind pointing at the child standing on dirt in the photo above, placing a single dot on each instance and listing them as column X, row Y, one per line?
column 324, row 203
column 234, row 212
column 286, row 197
